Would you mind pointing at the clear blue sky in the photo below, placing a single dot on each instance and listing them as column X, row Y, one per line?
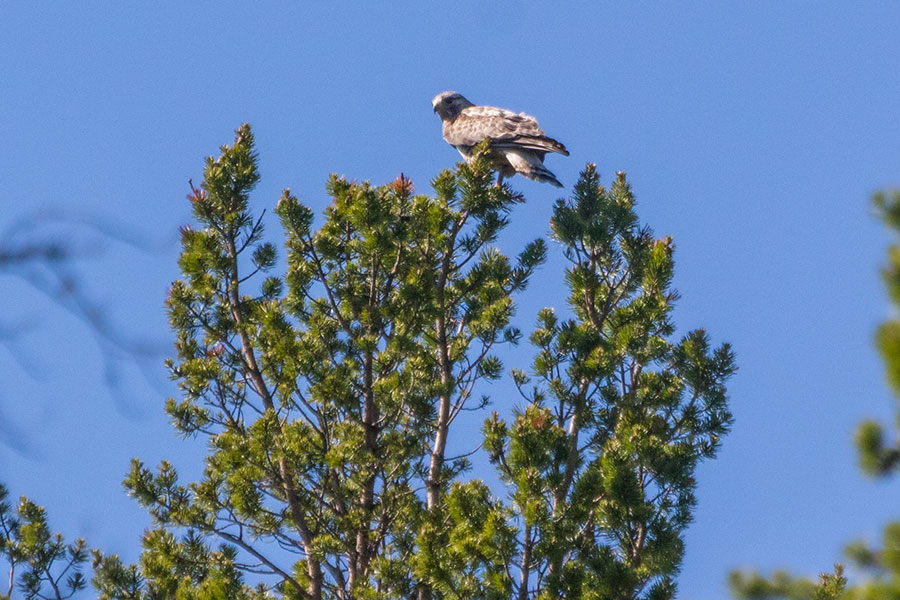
column 754, row 133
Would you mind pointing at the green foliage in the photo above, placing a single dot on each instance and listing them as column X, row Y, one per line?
column 41, row 564
column 185, row 569
column 466, row 550
column 600, row 461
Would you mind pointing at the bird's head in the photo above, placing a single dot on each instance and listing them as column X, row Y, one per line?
column 448, row 105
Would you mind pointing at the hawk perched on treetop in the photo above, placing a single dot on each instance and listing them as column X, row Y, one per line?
column 518, row 144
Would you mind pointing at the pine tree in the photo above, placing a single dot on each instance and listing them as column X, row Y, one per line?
column 327, row 394
column 600, row 460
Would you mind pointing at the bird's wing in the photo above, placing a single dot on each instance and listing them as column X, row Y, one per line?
column 505, row 129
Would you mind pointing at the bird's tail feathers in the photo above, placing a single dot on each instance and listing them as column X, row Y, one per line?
column 530, row 166
column 547, row 177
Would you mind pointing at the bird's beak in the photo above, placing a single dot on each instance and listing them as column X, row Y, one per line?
column 435, row 110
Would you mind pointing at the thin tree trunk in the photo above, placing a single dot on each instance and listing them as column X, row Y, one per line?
column 443, row 418
column 442, row 427
column 525, row 566
column 367, row 494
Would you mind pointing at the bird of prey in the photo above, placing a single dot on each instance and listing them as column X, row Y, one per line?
column 518, row 144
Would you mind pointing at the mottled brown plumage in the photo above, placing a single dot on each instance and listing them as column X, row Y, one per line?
column 518, row 144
